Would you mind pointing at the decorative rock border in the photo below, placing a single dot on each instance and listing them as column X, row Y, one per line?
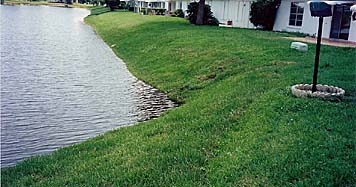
column 323, row 91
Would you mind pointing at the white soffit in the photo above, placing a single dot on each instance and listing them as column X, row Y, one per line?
column 334, row 2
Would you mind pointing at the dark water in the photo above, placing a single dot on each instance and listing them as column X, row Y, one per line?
column 61, row 84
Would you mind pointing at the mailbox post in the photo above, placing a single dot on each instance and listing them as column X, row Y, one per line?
column 321, row 10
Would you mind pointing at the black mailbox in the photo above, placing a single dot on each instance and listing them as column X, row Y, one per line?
column 320, row 9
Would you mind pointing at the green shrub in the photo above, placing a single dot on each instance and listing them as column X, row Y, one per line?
column 123, row 5
column 263, row 13
column 209, row 18
column 130, row 5
column 178, row 13
column 113, row 4
column 131, row 8
column 159, row 11
column 145, row 10
column 156, row 11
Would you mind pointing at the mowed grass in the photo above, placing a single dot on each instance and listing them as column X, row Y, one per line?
column 237, row 123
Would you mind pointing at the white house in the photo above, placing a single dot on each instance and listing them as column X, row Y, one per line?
column 63, row 1
column 169, row 5
column 151, row 3
column 294, row 16
column 236, row 11
column 174, row 5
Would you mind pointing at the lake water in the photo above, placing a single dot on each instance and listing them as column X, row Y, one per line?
column 61, row 84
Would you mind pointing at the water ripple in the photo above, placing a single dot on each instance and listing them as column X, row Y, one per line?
column 61, row 84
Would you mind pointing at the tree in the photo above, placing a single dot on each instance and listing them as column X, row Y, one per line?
column 113, row 4
column 208, row 17
column 263, row 13
column 200, row 15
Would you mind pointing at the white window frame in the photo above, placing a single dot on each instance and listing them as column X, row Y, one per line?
column 297, row 14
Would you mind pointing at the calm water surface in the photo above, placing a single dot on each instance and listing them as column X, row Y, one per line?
column 61, row 84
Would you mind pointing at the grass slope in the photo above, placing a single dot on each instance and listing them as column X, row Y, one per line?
column 238, row 124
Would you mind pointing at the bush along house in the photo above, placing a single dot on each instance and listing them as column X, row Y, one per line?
column 235, row 13
column 294, row 16
column 168, row 6
column 143, row 6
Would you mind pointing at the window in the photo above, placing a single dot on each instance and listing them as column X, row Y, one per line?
column 296, row 14
column 180, row 5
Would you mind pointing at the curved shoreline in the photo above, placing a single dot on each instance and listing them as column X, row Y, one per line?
column 145, row 101
column 155, row 105
column 239, row 124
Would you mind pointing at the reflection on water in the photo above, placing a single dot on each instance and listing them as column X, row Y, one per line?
column 61, row 84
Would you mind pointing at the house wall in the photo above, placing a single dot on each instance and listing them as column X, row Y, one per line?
column 56, row 1
column 352, row 35
column 150, row 4
column 237, row 11
column 171, row 6
column 166, row 5
column 178, row 5
column 309, row 24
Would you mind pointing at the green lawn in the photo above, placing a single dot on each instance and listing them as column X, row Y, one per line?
column 237, row 123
